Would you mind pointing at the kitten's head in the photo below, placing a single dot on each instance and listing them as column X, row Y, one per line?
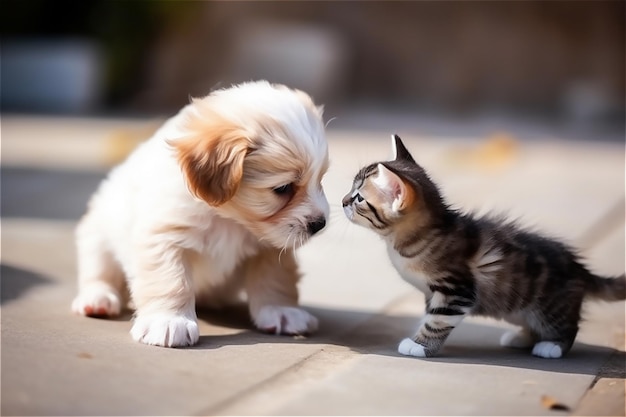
column 385, row 195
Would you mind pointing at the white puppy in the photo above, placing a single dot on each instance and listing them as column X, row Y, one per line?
column 211, row 206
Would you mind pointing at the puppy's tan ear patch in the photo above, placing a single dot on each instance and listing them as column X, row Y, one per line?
column 211, row 158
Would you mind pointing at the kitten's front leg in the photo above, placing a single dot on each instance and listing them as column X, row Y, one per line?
column 444, row 313
column 271, row 284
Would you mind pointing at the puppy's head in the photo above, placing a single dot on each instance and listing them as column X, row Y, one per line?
column 257, row 153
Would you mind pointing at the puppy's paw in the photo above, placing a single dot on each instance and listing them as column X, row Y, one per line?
column 518, row 339
column 409, row 347
column 97, row 302
column 285, row 320
column 164, row 329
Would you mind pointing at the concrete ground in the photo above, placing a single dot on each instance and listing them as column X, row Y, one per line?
column 55, row 363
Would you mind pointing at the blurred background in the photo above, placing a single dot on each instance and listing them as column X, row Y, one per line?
column 514, row 107
column 560, row 61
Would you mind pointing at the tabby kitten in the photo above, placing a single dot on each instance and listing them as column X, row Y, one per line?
column 467, row 265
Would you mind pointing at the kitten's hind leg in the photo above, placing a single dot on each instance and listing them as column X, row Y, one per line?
column 519, row 339
column 555, row 346
column 549, row 350
column 556, row 326
column 525, row 338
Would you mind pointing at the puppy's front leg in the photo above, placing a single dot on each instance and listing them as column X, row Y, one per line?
column 271, row 284
column 164, row 298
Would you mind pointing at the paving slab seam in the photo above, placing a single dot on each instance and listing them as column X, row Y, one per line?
column 607, row 397
column 606, row 392
column 261, row 398
column 299, row 376
column 612, row 370
column 267, row 395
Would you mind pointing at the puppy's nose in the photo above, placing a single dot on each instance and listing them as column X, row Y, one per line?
column 316, row 225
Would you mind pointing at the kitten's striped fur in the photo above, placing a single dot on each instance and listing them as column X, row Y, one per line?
column 469, row 265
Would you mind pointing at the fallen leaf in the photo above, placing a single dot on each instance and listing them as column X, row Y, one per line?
column 552, row 404
column 495, row 152
column 122, row 142
column 85, row 355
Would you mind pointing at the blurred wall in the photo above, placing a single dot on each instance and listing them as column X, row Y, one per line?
column 554, row 58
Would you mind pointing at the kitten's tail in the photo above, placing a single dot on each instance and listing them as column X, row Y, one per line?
column 607, row 289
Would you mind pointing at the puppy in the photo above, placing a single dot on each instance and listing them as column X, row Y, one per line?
column 210, row 207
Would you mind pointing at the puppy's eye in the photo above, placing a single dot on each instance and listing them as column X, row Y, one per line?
column 285, row 190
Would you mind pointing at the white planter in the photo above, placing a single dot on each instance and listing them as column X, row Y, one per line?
column 58, row 76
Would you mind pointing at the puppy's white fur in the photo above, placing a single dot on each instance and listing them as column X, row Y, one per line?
column 213, row 204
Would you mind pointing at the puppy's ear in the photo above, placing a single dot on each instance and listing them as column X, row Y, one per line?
column 211, row 158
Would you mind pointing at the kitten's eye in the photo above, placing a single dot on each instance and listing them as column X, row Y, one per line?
column 356, row 195
column 284, row 190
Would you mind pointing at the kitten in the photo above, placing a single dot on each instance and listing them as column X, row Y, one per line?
column 467, row 265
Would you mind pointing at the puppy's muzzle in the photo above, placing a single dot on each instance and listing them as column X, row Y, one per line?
column 316, row 225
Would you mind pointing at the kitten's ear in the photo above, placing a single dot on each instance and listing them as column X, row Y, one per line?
column 400, row 152
column 392, row 185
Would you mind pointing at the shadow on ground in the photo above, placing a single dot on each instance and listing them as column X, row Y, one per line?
column 365, row 332
column 15, row 282
column 379, row 334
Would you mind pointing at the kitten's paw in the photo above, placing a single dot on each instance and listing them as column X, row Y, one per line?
column 519, row 339
column 548, row 350
column 97, row 302
column 165, row 329
column 285, row 320
column 410, row 348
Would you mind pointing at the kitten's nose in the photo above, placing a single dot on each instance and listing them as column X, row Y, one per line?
column 346, row 200
column 316, row 225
